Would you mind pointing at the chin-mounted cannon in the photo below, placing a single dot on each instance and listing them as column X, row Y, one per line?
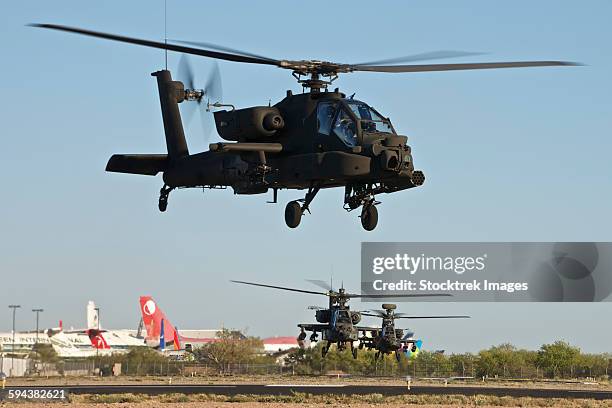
column 392, row 154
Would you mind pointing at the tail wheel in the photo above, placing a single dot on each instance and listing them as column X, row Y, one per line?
column 369, row 217
column 293, row 214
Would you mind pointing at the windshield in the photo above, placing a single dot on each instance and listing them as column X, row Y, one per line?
column 343, row 316
column 345, row 128
column 325, row 116
column 371, row 121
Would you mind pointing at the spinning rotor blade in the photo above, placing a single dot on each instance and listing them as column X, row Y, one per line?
column 320, row 283
column 402, row 316
column 281, row 288
column 408, row 335
column 371, row 314
column 411, row 295
column 222, row 48
column 188, row 107
column 155, row 44
column 375, row 313
column 185, row 73
column 313, row 66
column 458, row 67
column 213, row 91
column 422, row 57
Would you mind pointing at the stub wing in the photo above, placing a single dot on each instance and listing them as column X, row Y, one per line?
column 313, row 327
column 365, row 329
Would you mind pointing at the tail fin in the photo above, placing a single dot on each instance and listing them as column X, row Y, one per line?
column 170, row 94
column 412, row 348
column 162, row 337
column 97, row 340
column 152, row 317
column 175, row 339
column 92, row 316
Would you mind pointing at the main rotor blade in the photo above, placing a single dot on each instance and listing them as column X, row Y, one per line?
column 154, row 44
column 222, row 48
column 422, row 57
column 377, row 311
column 280, row 287
column 320, row 283
column 411, row 295
column 370, row 314
column 400, row 316
column 459, row 67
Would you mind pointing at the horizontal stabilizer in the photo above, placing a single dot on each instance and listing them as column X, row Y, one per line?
column 147, row 164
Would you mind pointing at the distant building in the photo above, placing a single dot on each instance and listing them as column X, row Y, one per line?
column 279, row 344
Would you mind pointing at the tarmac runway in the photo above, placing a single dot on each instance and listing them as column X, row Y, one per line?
column 288, row 389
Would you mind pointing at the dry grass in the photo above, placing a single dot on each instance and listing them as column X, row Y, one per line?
column 299, row 399
column 285, row 379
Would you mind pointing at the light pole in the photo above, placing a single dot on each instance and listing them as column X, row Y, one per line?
column 14, row 307
column 37, row 311
column 97, row 309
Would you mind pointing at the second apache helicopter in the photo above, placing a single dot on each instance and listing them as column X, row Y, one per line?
column 311, row 141
column 389, row 339
column 338, row 324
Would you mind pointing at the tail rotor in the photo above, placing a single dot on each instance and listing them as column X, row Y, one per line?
column 204, row 98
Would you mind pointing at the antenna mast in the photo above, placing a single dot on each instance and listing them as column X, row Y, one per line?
column 166, row 31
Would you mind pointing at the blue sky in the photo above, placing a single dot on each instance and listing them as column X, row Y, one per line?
column 510, row 155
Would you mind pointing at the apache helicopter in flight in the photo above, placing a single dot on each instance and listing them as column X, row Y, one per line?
column 388, row 339
column 337, row 323
column 314, row 140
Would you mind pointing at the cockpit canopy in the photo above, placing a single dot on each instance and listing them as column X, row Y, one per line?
column 343, row 316
column 347, row 117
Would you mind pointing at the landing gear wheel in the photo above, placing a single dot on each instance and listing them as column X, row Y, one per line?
column 354, row 352
column 376, row 356
column 313, row 337
column 324, row 350
column 397, row 355
column 369, row 217
column 164, row 193
column 301, row 336
column 293, row 214
column 163, row 203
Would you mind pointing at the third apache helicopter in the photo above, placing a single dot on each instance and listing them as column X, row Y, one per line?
column 338, row 324
column 314, row 140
